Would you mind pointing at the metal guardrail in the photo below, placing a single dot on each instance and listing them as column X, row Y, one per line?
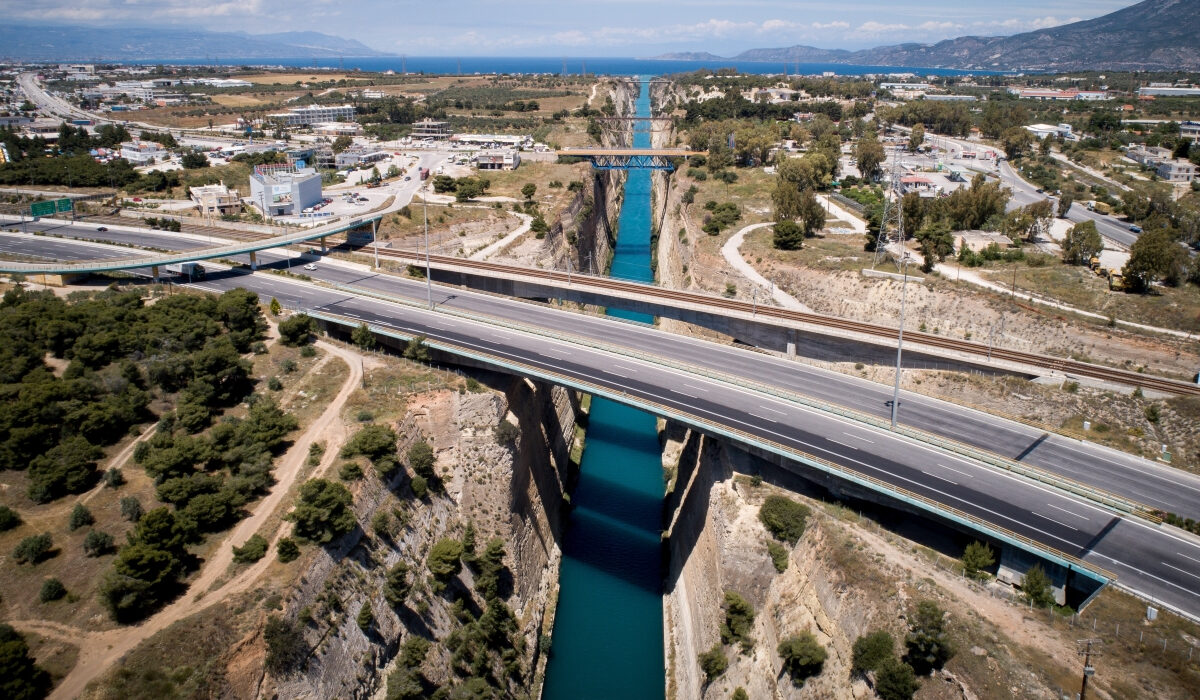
column 1072, row 486
column 874, row 483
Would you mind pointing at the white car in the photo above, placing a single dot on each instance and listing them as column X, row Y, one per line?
column 310, row 266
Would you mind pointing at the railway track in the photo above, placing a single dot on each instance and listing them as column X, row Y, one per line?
column 1056, row 364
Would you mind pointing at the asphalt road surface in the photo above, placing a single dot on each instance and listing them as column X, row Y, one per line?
column 1154, row 561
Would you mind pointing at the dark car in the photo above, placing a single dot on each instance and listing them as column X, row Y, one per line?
column 101, row 228
column 1135, row 228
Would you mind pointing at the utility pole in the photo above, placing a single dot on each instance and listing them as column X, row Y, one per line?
column 1087, row 652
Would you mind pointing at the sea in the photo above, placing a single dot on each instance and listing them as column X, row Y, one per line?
column 485, row 65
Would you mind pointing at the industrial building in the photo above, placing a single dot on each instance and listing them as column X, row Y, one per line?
column 283, row 190
column 1059, row 95
column 493, row 140
column 314, row 114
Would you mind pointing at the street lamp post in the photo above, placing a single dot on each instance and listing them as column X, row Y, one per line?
column 900, row 337
column 428, row 272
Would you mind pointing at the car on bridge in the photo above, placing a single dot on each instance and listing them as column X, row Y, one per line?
column 310, row 266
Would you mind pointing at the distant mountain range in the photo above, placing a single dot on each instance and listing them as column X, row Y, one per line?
column 1151, row 35
column 78, row 43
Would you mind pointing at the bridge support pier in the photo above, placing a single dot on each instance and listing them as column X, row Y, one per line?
column 324, row 248
column 154, row 272
column 253, row 260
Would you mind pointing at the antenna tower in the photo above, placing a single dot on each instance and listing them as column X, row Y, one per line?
column 893, row 214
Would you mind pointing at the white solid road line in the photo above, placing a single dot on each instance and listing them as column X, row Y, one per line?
column 769, row 420
column 622, row 367
column 1047, row 517
column 772, row 410
column 840, row 443
column 857, row 437
column 697, row 388
column 1077, row 515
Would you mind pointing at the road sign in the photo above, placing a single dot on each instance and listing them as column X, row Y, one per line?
column 51, row 207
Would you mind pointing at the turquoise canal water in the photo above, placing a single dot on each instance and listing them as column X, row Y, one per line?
column 608, row 638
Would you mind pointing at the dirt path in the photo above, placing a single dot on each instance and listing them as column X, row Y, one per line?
column 732, row 252
column 100, row 650
column 526, row 222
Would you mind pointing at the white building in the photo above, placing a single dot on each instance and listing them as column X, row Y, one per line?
column 314, row 114
column 494, row 140
column 1059, row 95
column 1176, row 170
column 140, row 152
column 215, row 200
column 1190, row 130
column 507, row 159
column 282, row 190
column 1160, row 90
column 1043, row 130
column 1148, row 155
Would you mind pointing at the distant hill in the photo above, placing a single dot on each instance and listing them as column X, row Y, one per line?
column 78, row 43
column 690, row 56
column 1151, row 35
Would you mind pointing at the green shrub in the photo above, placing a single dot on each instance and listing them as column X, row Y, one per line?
column 131, row 509
column 895, row 680
column 286, row 648
column 784, row 518
column 323, row 511
column 80, row 517
column 421, row 459
column 254, row 549
column 372, row 441
column 739, row 621
column 297, row 330
column 977, row 557
column 928, row 641
column 445, row 558
column 287, row 550
column 366, row 617
column 113, row 478
column 22, row 679
column 274, row 384
column 420, row 487
column 1036, row 587
column 396, row 587
column 52, row 589
column 802, row 657
column 779, row 556
column 97, row 543
column 308, row 351
column 33, row 549
column 9, row 518
column 872, row 652
column 713, row 663
column 350, row 471
column 507, row 433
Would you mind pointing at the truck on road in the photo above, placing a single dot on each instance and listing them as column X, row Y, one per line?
column 191, row 270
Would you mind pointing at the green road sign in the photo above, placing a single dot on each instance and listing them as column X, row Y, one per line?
column 64, row 204
column 42, row 208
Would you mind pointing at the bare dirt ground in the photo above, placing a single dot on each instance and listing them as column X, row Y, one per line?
column 99, row 650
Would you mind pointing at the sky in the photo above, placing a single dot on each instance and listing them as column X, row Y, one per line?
column 594, row 28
